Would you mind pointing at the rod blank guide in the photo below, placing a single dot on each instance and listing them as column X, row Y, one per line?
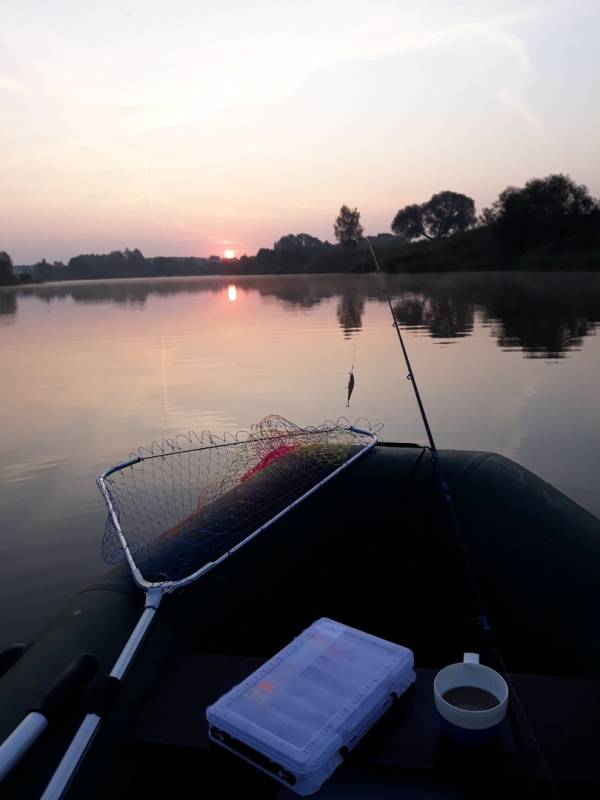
column 316, row 697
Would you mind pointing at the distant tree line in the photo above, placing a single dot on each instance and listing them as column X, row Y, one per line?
column 291, row 250
column 551, row 209
column 121, row 264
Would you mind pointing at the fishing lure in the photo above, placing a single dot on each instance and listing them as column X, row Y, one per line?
column 350, row 387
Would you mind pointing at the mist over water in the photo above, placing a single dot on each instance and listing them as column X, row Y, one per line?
column 507, row 362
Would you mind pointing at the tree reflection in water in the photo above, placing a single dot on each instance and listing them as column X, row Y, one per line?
column 542, row 314
column 8, row 306
column 349, row 312
column 444, row 317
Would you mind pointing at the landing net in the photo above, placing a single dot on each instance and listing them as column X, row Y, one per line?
column 177, row 508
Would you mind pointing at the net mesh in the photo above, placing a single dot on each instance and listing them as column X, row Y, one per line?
column 188, row 501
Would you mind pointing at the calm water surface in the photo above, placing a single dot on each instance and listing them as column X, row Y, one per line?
column 90, row 371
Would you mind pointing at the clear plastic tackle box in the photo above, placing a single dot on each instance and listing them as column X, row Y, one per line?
column 318, row 696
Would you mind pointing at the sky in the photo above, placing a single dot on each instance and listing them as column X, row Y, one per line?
column 188, row 128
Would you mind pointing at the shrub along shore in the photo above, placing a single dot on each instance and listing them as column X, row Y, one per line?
column 551, row 223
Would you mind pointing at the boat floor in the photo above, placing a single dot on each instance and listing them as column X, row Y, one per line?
column 375, row 554
column 405, row 752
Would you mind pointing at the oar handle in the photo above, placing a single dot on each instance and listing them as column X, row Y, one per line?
column 68, row 686
column 63, row 693
column 101, row 704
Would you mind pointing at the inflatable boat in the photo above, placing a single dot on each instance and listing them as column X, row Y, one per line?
column 372, row 549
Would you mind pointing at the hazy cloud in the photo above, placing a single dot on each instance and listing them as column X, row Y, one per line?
column 388, row 35
column 206, row 73
column 517, row 103
column 10, row 84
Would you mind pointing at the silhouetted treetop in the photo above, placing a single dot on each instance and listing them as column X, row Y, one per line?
column 553, row 204
column 6, row 269
column 292, row 249
column 347, row 228
column 408, row 222
column 444, row 214
column 297, row 241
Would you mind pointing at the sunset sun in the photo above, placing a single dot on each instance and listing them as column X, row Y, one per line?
column 229, row 254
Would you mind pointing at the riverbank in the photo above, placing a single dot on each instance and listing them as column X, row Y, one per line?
column 477, row 250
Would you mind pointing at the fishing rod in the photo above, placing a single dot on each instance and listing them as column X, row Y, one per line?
column 515, row 709
column 443, row 483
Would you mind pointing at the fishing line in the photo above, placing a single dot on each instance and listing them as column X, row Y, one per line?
column 515, row 708
column 351, row 378
column 354, row 355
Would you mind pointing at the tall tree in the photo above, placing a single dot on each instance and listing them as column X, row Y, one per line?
column 443, row 214
column 347, row 228
column 6, row 268
column 408, row 222
column 553, row 205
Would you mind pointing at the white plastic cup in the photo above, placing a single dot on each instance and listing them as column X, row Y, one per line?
column 461, row 724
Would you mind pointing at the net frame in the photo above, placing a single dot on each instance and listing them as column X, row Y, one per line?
column 278, row 429
column 155, row 590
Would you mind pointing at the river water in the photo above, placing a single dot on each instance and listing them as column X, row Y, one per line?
column 507, row 362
